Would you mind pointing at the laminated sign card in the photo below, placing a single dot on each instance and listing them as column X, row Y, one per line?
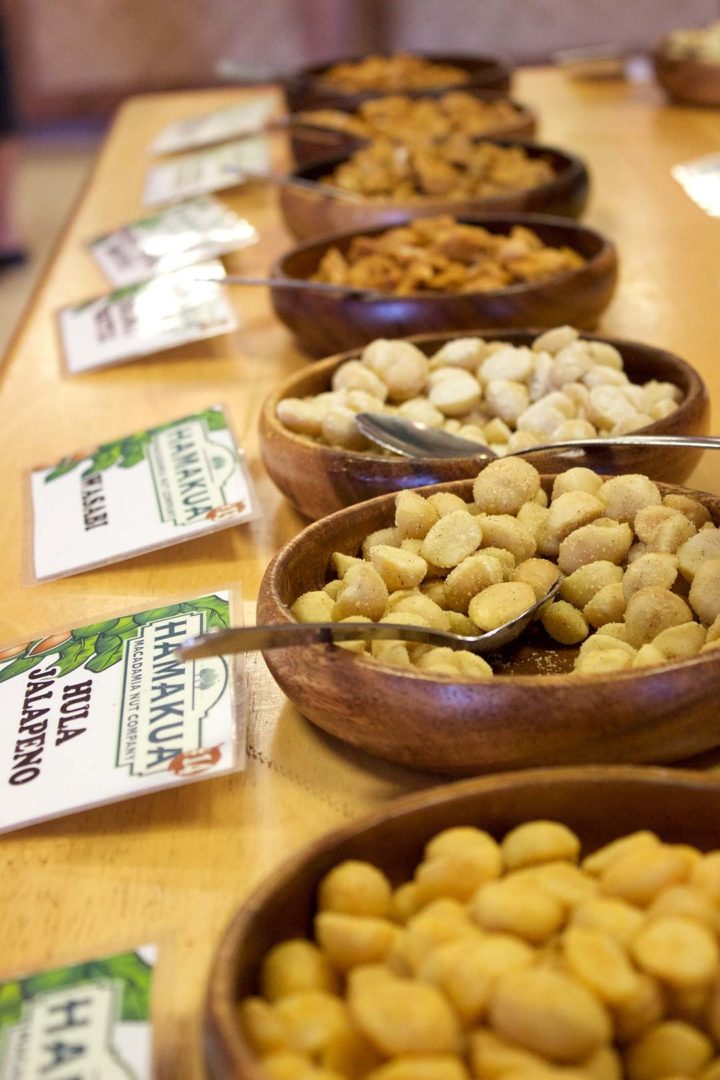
column 187, row 233
column 240, row 119
column 90, row 1021
column 106, row 712
column 222, row 166
column 157, row 487
column 137, row 320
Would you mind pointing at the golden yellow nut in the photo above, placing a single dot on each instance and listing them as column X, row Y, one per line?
column 539, row 842
column 601, row 963
column 311, row 1017
column 672, row 1047
column 421, row 1067
column 639, row 877
column 676, row 950
column 355, row 888
column 549, row 1013
column 466, row 969
column 349, row 940
column 400, row 1016
column 264, row 1029
column 457, row 873
column 517, row 907
column 295, row 965
column 499, row 603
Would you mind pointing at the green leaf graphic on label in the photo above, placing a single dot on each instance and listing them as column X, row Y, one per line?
column 18, row 666
column 130, row 451
column 99, row 645
column 127, row 968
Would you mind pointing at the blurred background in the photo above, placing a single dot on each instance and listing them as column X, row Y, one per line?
column 69, row 64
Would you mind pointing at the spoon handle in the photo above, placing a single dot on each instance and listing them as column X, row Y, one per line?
column 282, row 635
column 704, row 442
column 302, row 283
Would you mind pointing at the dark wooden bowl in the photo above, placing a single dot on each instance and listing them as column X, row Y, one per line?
column 521, row 718
column 320, row 479
column 306, row 89
column 308, row 147
column 688, row 80
column 309, row 212
column 598, row 804
column 325, row 324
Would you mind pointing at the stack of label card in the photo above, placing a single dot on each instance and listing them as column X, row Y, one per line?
column 245, row 117
column 187, row 233
column 137, row 320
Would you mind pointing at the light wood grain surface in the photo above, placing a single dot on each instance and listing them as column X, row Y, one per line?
column 171, row 867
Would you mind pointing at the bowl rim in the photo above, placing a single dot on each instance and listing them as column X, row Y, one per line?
column 486, row 93
column 697, row 388
column 342, row 657
column 220, row 1005
column 573, row 170
column 606, row 250
column 311, row 75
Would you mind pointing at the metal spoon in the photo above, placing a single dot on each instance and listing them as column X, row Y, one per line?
column 413, row 440
column 282, row 635
column 350, row 291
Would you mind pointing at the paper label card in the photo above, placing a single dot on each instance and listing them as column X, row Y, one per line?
column 157, row 487
column 91, row 1020
column 223, row 166
column 138, row 320
column 107, row 712
column 240, row 119
column 187, row 233
column 701, row 181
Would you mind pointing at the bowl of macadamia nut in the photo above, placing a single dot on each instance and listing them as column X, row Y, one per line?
column 622, row 666
column 544, row 923
column 505, row 271
column 506, row 390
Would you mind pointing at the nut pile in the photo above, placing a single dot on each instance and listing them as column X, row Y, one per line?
column 641, row 571
column 502, row 961
column 419, row 120
column 698, row 44
column 402, row 71
column 504, row 396
column 459, row 167
column 439, row 254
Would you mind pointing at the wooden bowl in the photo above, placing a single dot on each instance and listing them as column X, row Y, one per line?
column 306, row 89
column 309, row 212
column 320, row 479
column 325, row 324
column 688, row 80
column 309, row 147
column 598, row 804
column 536, row 711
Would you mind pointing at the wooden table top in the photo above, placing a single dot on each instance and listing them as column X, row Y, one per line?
column 171, row 867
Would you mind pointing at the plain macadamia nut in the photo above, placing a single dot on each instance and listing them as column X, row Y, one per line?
column 503, row 486
column 506, row 396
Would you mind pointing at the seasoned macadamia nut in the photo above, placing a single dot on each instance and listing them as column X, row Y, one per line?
column 503, row 486
column 499, row 604
column 451, row 565
column 452, row 538
column 506, row 396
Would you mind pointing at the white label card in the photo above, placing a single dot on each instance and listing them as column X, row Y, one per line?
column 187, row 233
column 150, row 489
column 88, row 1020
column 240, row 119
column 107, row 712
column 138, row 320
column 223, row 166
column 701, row 181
